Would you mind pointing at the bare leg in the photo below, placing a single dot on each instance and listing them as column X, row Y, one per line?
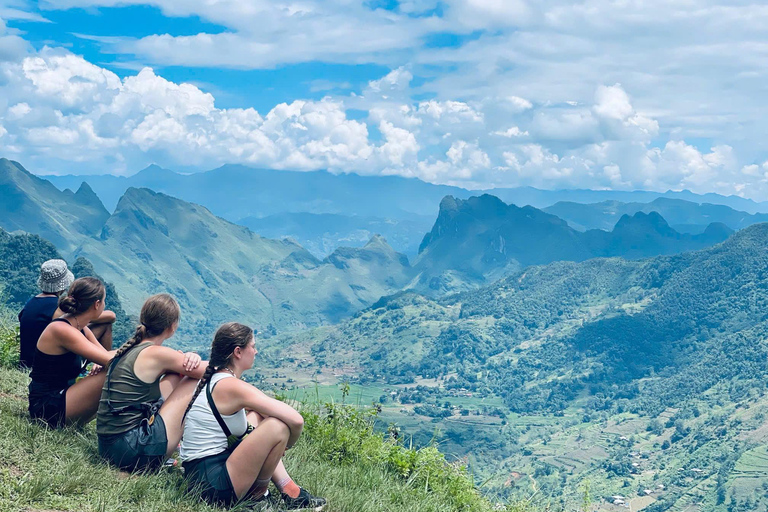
column 173, row 409
column 103, row 333
column 168, row 383
column 82, row 400
column 280, row 473
column 257, row 456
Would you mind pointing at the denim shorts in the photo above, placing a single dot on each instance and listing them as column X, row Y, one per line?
column 141, row 448
column 210, row 477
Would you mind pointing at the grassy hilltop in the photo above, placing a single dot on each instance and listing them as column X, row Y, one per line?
column 339, row 456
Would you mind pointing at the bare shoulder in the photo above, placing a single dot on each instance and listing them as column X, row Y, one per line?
column 235, row 387
column 159, row 353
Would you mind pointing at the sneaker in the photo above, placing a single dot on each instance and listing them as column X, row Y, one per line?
column 263, row 503
column 303, row 501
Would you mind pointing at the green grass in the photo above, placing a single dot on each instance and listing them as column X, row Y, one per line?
column 339, row 457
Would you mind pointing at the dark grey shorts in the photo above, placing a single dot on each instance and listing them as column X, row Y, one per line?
column 48, row 405
column 141, row 448
column 210, row 477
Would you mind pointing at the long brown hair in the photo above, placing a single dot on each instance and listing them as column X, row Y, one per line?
column 81, row 295
column 158, row 313
column 227, row 338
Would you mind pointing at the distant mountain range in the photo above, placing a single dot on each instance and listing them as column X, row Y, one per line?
column 345, row 209
column 221, row 270
column 683, row 216
column 154, row 242
column 478, row 240
column 322, row 233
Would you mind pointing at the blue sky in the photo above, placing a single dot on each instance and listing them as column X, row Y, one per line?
column 476, row 93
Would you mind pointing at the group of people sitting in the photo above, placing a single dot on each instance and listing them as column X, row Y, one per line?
column 150, row 400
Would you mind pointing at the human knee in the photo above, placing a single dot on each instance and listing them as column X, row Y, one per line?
column 276, row 427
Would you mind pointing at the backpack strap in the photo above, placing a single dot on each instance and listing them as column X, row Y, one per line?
column 215, row 410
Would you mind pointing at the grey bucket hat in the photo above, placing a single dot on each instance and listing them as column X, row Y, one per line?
column 54, row 276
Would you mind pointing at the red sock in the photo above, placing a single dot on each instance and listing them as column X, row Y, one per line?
column 289, row 487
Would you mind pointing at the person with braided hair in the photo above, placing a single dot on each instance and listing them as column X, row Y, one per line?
column 230, row 454
column 55, row 395
column 145, row 394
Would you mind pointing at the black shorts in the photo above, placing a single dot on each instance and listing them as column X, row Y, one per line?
column 210, row 477
column 141, row 448
column 48, row 404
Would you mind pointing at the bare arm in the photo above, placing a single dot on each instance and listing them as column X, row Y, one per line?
column 106, row 317
column 155, row 361
column 235, row 394
column 89, row 335
column 71, row 339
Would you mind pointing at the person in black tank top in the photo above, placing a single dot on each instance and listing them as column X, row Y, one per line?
column 54, row 396
column 37, row 313
column 146, row 391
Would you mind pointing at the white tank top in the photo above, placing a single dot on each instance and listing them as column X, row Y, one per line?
column 202, row 433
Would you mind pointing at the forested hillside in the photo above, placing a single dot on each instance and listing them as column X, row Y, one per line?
column 668, row 353
column 20, row 259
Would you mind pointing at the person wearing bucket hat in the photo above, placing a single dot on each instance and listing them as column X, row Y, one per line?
column 39, row 310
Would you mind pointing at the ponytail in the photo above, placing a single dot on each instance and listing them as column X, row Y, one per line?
column 200, row 385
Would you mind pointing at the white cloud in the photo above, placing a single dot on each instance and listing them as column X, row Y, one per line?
column 513, row 131
column 400, row 147
column 450, row 112
column 396, row 80
column 613, row 107
column 63, row 113
column 66, row 80
column 519, row 104
column 19, row 110
column 265, row 34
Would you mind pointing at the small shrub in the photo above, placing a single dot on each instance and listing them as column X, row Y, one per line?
column 9, row 340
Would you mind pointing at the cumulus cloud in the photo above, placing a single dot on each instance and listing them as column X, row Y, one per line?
column 64, row 114
column 513, row 131
column 613, row 108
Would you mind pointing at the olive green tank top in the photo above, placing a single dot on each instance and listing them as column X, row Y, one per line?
column 125, row 399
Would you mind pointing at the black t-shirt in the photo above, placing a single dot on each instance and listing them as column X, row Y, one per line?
column 33, row 320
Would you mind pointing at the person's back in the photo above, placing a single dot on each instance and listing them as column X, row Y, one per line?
column 125, row 398
column 39, row 310
column 138, row 422
column 33, row 319
column 56, row 396
column 203, row 435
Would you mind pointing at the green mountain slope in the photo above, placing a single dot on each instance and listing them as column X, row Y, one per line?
column 20, row 258
column 220, row 271
column 610, row 371
column 477, row 240
column 34, row 205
